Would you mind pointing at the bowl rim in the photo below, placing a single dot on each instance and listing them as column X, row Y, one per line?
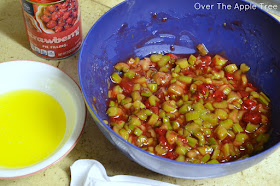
column 74, row 136
column 100, row 120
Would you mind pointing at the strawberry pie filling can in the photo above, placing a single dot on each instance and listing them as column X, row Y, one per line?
column 53, row 27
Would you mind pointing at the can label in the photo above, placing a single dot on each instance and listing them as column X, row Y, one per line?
column 53, row 27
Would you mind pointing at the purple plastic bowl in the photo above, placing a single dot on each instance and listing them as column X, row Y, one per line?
column 130, row 30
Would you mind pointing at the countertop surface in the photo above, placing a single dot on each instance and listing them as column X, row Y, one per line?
column 92, row 144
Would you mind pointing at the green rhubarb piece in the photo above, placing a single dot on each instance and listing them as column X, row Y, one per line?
column 171, row 137
column 138, row 132
column 136, row 95
column 155, row 57
column 124, row 134
column 198, row 106
column 177, row 69
column 134, row 120
column 231, row 68
column 212, row 141
column 218, row 75
column 140, row 80
column 227, row 124
column 226, row 150
column 122, row 67
column 112, row 103
column 202, row 49
column 215, row 154
column 200, row 137
column 227, row 90
column 180, row 102
column 116, row 78
column 192, row 59
column 146, row 93
column 142, row 115
column 192, row 128
column 244, row 68
column 264, row 99
column 175, row 89
column 219, row 61
column 142, row 140
column 192, row 141
column 183, row 63
column 113, row 111
column 126, row 100
column 241, row 137
column 237, row 128
column 153, row 119
column 168, row 107
column 120, row 97
column 163, row 69
column 193, row 88
column 221, row 132
column 148, row 112
column 185, row 97
column 205, row 158
column 138, row 105
column 251, row 127
column 136, row 87
column 185, row 108
column 213, row 162
column 255, row 94
column 220, row 105
column 175, row 125
column 180, row 158
column 117, row 89
column 192, row 115
column 161, row 150
column 163, row 61
column 181, row 150
column 152, row 87
column 185, row 79
column 207, row 132
column 209, row 106
column 130, row 74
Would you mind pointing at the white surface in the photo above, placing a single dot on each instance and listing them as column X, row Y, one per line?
column 86, row 172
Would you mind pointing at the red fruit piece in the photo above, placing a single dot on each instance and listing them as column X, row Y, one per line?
column 45, row 18
column 51, row 24
column 61, row 22
column 127, row 86
column 202, row 89
column 55, row 16
column 69, row 20
column 205, row 61
column 47, row 12
column 51, row 8
column 66, row 15
column 58, row 29
column 66, row 27
column 252, row 117
column 160, row 131
column 249, row 104
column 75, row 13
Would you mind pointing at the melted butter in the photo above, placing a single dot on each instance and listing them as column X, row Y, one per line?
column 32, row 125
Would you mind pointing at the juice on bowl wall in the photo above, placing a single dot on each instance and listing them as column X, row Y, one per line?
column 53, row 27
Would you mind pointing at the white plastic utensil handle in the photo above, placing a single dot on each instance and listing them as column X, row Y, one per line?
column 88, row 172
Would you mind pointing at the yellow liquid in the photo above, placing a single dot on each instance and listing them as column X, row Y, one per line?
column 32, row 125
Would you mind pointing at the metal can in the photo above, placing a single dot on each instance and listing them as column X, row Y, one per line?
column 53, row 27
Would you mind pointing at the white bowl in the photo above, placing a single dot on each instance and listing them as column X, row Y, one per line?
column 16, row 75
